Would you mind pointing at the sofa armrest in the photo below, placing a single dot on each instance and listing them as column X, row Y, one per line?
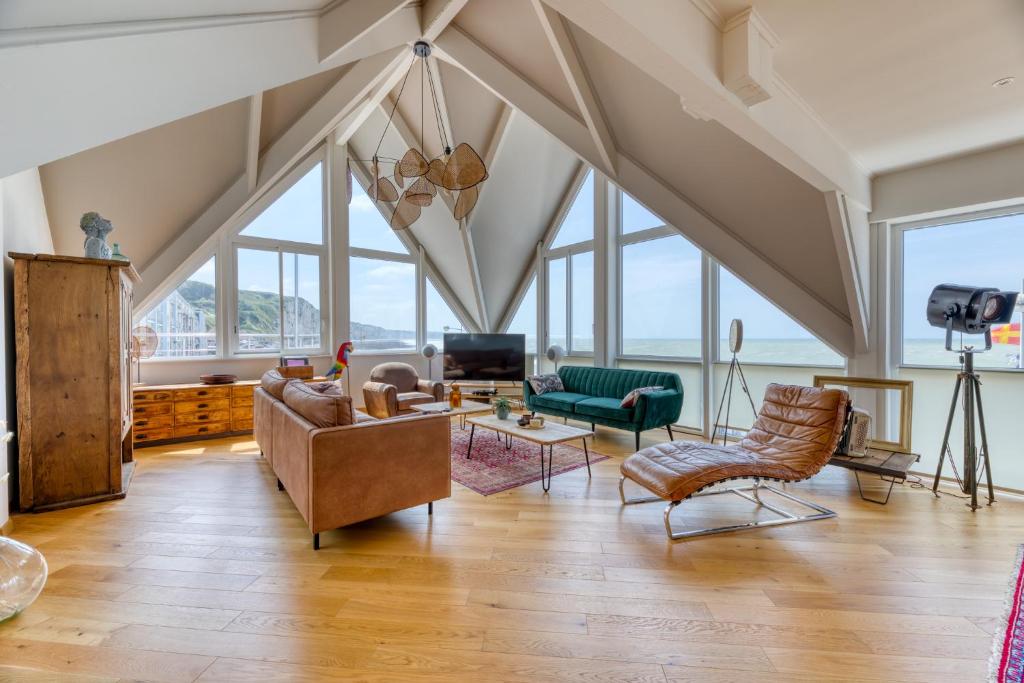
column 432, row 387
column 658, row 408
column 380, row 399
column 370, row 469
column 528, row 392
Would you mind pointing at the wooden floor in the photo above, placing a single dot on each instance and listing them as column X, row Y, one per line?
column 206, row 572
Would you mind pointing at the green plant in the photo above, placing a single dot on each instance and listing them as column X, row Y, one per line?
column 502, row 403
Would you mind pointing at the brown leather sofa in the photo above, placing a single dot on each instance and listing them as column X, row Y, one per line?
column 395, row 387
column 340, row 466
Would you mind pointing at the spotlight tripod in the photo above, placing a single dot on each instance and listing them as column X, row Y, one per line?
column 968, row 380
column 735, row 369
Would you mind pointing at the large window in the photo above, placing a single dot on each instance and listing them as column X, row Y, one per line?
column 382, row 281
column 440, row 317
column 661, row 298
column 557, row 309
column 279, row 266
column 525, row 320
column 186, row 320
column 578, row 224
column 987, row 252
column 769, row 335
column 570, row 276
column 636, row 217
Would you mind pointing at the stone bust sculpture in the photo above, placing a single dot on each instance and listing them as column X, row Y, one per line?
column 96, row 228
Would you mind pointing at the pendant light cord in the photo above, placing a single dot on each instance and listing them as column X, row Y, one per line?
column 393, row 108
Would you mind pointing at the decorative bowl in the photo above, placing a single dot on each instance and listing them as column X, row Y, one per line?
column 218, row 379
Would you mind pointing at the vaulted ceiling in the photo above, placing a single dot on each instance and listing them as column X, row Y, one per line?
column 172, row 118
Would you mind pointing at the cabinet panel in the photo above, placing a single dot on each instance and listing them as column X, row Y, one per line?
column 196, row 406
column 153, row 421
column 150, row 409
column 241, row 412
column 241, row 425
column 144, row 396
column 201, row 394
column 147, row 435
column 200, row 429
column 201, row 417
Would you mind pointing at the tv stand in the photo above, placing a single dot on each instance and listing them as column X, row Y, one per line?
column 488, row 391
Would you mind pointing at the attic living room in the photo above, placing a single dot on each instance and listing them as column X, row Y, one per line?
column 531, row 340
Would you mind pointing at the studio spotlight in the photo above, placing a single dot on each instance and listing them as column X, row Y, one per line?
column 969, row 310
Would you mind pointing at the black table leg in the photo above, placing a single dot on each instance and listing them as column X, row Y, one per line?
column 472, row 431
column 546, row 484
column 586, row 454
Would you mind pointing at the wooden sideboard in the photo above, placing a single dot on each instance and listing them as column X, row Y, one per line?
column 72, row 331
column 183, row 412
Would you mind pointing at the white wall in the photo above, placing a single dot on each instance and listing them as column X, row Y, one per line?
column 24, row 228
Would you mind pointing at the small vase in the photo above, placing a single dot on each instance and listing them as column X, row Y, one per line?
column 22, row 575
column 501, row 412
column 117, row 255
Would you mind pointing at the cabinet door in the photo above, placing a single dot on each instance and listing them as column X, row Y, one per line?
column 126, row 355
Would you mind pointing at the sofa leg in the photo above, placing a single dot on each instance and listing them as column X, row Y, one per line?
column 637, row 434
column 593, row 426
column 316, row 541
column 669, row 428
column 430, row 508
column 280, row 486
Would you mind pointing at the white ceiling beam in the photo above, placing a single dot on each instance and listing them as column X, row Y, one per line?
column 299, row 140
column 722, row 243
column 342, row 25
column 579, row 83
column 676, row 44
column 474, row 273
column 850, row 263
column 348, row 127
column 252, row 142
column 435, row 15
column 153, row 74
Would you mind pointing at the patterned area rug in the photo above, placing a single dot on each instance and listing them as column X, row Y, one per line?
column 493, row 469
column 1007, row 665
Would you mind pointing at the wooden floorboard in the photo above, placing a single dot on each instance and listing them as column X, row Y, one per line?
column 205, row 572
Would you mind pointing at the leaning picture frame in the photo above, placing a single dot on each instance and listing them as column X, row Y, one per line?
column 906, row 402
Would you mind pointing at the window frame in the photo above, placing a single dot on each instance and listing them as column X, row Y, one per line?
column 236, row 241
column 897, row 256
column 566, row 252
column 196, row 261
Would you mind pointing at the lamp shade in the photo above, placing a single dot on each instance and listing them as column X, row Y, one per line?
column 428, row 351
column 555, row 353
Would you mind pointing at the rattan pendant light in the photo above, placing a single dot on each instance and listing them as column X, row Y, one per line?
column 413, row 181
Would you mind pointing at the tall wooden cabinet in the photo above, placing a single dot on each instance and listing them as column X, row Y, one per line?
column 73, row 343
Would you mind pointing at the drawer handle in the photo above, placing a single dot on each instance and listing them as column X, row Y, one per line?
column 204, row 416
column 204, row 429
column 141, row 423
column 141, row 437
column 201, row 393
column 203, row 405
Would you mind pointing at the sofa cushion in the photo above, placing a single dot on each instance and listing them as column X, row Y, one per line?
column 360, row 416
column 607, row 408
column 274, row 383
column 559, row 400
column 408, row 399
column 632, row 397
column 544, row 384
column 614, row 382
column 321, row 408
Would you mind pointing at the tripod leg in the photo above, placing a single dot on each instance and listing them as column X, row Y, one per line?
column 728, row 403
column 945, row 438
column 718, row 415
column 746, row 389
column 984, row 445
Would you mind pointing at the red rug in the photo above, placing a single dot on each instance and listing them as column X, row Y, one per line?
column 1007, row 665
column 493, row 469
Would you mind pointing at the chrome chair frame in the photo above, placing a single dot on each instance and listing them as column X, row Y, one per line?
column 785, row 517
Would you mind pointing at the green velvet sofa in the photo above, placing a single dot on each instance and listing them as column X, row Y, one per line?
column 593, row 395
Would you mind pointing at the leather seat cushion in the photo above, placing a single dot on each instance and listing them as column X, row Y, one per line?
column 360, row 416
column 274, row 383
column 408, row 399
column 560, row 400
column 795, row 434
column 323, row 409
column 608, row 408
column 402, row 376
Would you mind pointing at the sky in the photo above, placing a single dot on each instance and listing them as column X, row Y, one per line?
column 981, row 253
column 297, row 215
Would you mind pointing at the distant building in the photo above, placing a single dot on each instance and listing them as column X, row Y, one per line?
column 180, row 326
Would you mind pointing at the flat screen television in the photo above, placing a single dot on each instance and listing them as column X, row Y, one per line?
column 485, row 357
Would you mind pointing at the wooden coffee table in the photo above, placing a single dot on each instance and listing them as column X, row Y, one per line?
column 548, row 436
column 467, row 408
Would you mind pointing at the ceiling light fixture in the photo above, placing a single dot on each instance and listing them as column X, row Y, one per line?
column 453, row 170
column 1003, row 82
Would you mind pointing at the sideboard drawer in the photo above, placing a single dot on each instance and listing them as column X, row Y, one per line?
column 147, row 435
column 143, row 396
column 242, row 400
column 242, row 391
column 241, row 412
column 241, row 425
column 200, row 394
column 200, row 429
column 201, row 417
column 154, row 421
column 198, row 406
column 150, row 409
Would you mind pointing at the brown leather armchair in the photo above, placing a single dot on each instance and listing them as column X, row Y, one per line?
column 395, row 387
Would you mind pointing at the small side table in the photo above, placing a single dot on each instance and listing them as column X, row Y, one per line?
column 890, row 466
column 445, row 407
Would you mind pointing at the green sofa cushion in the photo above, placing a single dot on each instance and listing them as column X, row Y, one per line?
column 607, row 408
column 612, row 382
column 559, row 400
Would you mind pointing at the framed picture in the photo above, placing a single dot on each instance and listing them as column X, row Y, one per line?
column 860, row 393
